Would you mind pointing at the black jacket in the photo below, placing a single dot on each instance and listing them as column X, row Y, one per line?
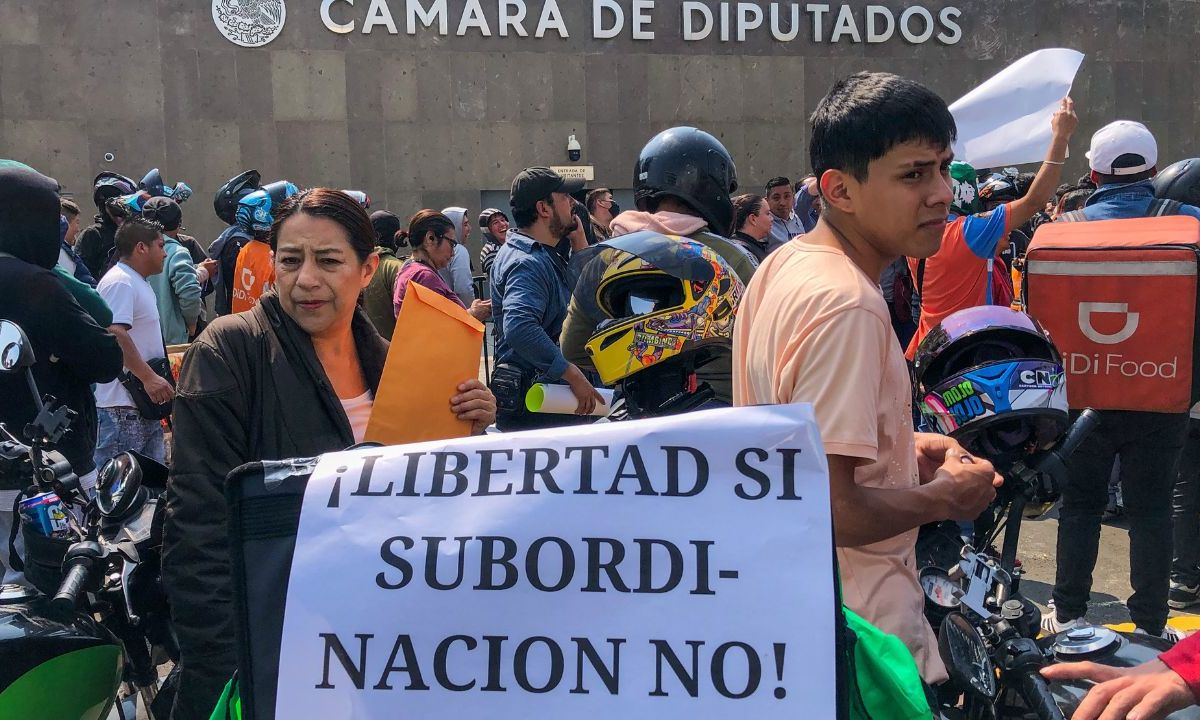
column 96, row 244
column 250, row 388
column 71, row 350
column 225, row 249
column 757, row 248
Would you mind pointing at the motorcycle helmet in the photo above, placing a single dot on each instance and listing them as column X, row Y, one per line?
column 108, row 185
column 665, row 306
column 689, row 164
column 226, row 200
column 999, row 188
column 991, row 378
column 153, row 184
column 133, row 203
column 254, row 211
column 1179, row 182
column 360, row 197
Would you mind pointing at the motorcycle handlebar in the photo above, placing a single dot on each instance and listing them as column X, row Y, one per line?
column 1083, row 426
column 1037, row 696
column 67, row 597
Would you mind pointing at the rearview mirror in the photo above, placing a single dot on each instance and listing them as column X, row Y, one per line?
column 15, row 351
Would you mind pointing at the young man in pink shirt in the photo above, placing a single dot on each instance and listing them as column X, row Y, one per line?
column 813, row 327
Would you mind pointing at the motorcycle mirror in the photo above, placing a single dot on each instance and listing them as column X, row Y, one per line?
column 16, row 354
column 118, row 486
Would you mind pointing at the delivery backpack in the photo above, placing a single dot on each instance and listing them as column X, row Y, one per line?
column 877, row 678
column 1119, row 299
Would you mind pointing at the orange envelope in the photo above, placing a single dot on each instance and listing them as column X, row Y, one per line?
column 435, row 347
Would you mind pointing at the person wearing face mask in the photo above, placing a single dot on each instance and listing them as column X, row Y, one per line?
column 493, row 224
column 602, row 208
column 457, row 273
column 431, row 236
column 295, row 376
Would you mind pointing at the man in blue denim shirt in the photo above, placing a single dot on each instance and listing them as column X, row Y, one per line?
column 1123, row 157
column 531, row 284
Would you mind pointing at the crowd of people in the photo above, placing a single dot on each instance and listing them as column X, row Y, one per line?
column 819, row 291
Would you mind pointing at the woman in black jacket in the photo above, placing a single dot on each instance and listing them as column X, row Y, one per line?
column 294, row 377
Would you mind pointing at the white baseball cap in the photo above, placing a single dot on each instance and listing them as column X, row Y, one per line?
column 1123, row 137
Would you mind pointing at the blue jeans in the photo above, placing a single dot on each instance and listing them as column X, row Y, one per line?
column 124, row 429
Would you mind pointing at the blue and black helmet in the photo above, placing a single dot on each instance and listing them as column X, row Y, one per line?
column 255, row 211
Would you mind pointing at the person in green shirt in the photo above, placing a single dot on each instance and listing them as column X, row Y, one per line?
column 377, row 297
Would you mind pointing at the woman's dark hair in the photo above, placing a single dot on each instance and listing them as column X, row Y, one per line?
column 336, row 206
column 400, row 239
column 743, row 207
column 867, row 114
column 425, row 221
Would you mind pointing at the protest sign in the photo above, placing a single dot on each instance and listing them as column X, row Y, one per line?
column 1006, row 120
column 671, row 568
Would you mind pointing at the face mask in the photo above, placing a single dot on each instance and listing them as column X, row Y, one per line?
column 615, row 209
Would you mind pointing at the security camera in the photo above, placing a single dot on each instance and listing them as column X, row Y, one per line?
column 574, row 149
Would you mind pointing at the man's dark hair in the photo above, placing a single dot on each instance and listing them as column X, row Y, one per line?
column 524, row 217
column 743, row 207
column 594, row 197
column 776, row 182
column 68, row 207
column 134, row 231
column 1022, row 183
column 1126, row 179
column 1075, row 199
column 867, row 114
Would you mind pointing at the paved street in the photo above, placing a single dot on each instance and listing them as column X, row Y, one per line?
column 1111, row 578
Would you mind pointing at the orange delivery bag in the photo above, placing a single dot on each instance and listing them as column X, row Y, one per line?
column 1119, row 299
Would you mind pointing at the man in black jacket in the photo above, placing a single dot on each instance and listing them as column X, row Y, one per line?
column 72, row 351
column 97, row 240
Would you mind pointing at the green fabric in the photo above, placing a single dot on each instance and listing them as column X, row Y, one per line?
column 966, row 189
column 377, row 297
column 86, row 296
column 887, row 682
column 229, row 705
column 177, row 292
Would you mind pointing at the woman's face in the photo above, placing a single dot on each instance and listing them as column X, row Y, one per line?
column 439, row 248
column 318, row 275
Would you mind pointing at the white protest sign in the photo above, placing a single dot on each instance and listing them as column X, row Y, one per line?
column 670, row 568
column 1006, row 120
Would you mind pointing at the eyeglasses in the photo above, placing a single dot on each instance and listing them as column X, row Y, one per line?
column 448, row 238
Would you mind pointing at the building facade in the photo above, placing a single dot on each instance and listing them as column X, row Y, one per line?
column 432, row 103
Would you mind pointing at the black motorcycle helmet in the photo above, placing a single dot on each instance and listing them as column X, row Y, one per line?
column 226, row 201
column 1179, row 182
column 108, row 185
column 691, row 165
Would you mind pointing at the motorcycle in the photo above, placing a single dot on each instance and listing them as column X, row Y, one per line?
column 58, row 661
column 987, row 630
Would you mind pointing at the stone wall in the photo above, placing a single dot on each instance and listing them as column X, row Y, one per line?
column 426, row 120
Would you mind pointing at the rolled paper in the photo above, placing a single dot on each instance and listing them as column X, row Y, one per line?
column 559, row 399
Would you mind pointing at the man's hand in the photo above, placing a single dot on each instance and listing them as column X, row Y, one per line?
column 810, row 186
column 159, row 390
column 931, row 455
column 964, row 484
column 475, row 403
column 481, row 310
column 1064, row 121
column 582, row 389
column 1149, row 691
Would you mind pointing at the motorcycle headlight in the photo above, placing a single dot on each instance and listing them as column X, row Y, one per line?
column 966, row 656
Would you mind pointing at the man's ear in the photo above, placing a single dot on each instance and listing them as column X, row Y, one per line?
column 1095, row 177
column 838, row 190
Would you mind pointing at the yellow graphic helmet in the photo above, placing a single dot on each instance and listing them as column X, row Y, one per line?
column 658, row 298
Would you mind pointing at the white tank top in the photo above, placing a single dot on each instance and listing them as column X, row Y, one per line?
column 358, row 412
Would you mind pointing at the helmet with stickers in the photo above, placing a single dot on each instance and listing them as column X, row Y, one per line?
column 991, row 378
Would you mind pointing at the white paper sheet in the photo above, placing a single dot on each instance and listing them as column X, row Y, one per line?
column 1006, row 120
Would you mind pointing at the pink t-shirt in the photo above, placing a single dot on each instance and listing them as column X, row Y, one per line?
column 812, row 327
column 421, row 274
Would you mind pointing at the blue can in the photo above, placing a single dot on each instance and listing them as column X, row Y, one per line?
column 46, row 513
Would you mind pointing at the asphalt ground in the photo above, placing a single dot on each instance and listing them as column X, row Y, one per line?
column 1110, row 580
